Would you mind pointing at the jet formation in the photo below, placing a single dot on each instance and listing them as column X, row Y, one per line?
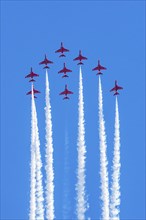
column 64, row 71
column 32, row 75
column 80, row 58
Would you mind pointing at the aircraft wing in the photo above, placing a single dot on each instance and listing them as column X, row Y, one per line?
column 28, row 93
column 96, row 68
column 119, row 87
column 65, row 50
column 62, row 93
column 29, row 75
column 69, row 92
column 35, row 74
column 113, row 89
column 43, row 62
column 67, row 70
column 49, row 61
column 57, row 51
column 61, row 71
column 102, row 68
column 84, row 58
column 77, row 58
column 36, row 91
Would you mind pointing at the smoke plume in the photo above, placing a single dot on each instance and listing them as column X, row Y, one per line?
column 103, row 159
column 36, row 189
column 49, row 157
column 115, row 188
column 80, row 187
column 32, row 212
column 39, row 176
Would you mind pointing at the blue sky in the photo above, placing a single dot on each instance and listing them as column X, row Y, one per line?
column 112, row 31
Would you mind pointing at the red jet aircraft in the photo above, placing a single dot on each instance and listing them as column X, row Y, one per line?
column 80, row 58
column 116, row 88
column 34, row 92
column 46, row 61
column 66, row 92
column 62, row 50
column 31, row 75
column 65, row 70
column 99, row 67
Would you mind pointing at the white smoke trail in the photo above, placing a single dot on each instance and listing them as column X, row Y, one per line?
column 32, row 213
column 39, row 176
column 49, row 157
column 81, row 197
column 115, row 188
column 103, row 159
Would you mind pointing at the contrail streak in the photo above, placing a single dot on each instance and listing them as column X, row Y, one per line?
column 32, row 212
column 49, row 157
column 103, row 159
column 39, row 185
column 80, row 187
column 115, row 188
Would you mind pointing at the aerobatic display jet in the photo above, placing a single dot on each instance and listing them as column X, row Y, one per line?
column 34, row 92
column 45, row 62
column 116, row 88
column 99, row 67
column 80, row 58
column 65, row 70
column 66, row 92
column 31, row 75
column 62, row 50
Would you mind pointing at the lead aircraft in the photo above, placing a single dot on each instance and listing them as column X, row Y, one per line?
column 62, row 50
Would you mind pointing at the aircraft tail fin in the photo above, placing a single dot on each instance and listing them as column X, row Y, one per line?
column 80, row 63
column 46, row 67
column 32, row 80
column 62, row 55
column 116, row 93
column 66, row 97
column 64, row 76
column 99, row 73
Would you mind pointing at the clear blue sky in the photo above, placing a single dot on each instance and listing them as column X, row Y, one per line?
column 113, row 31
